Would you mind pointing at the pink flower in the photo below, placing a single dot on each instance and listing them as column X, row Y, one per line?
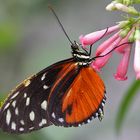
column 123, row 65
column 118, row 42
column 137, row 56
column 95, row 36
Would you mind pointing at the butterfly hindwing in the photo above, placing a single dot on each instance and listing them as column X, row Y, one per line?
column 78, row 97
column 25, row 109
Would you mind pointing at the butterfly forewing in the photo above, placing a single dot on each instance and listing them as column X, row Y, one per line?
column 25, row 109
column 78, row 97
column 57, row 92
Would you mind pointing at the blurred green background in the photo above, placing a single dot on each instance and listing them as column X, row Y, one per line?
column 31, row 39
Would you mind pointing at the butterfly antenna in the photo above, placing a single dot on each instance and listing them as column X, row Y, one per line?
column 111, row 50
column 50, row 7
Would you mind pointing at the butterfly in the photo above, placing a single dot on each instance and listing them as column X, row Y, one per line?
column 67, row 93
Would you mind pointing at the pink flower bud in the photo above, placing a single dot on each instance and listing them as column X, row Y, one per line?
column 122, row 7
column 127, row 9
column 91, row 38
column 123, row 65
column 111, row 6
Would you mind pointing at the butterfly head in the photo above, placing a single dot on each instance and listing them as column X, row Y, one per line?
column 81, row 56
column 75, row 47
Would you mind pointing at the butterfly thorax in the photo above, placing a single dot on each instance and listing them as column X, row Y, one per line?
column 82, row 57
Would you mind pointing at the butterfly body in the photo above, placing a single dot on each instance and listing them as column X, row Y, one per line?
column 67, row 93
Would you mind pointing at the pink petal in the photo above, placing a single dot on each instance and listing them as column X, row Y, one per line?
column 91, row 38
column 137, row 59
column 106, row 44
column 101, row 61
column 123, row 65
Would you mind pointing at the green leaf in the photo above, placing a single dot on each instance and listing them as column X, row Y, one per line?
column 126, row 103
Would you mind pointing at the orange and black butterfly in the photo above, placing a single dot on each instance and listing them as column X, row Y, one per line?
column 67, row 93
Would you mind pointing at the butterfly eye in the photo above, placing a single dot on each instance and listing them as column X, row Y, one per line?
column 75, row 46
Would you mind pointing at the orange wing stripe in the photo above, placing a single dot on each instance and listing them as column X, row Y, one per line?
column 84, row 96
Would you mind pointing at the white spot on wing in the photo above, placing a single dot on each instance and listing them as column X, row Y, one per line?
column 8, row 117
column 13, row 126
column 21, row 129
column 43, row 77
column 16, row 111
column 43, row 121
column 96, row 114
column 14, row 104
column 79, row 125
column 44, row 105
column 61, row 120
column 27, row 101
column 25, row 95
column 88, row 120
column 31, row 128
column 22, row 122
column 7, row 105
column 45, row 87
column 53, row 115
column 15, row 95
column 103, row 104
column 100, row 110
column 32, row 116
